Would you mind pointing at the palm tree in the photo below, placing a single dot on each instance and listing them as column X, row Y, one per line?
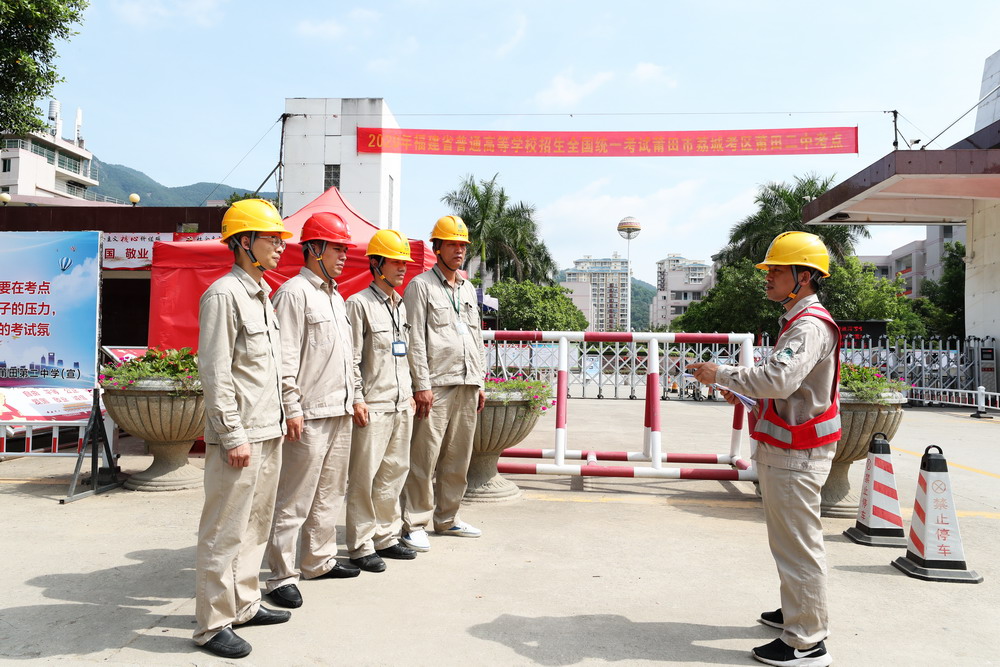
column 503, row 236
column 780, row 210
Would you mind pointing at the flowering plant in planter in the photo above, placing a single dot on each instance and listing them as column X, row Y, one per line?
column 518, row 388
column 869, row 384
column 178, row 366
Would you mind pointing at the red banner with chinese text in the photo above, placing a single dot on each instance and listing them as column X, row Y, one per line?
column 789, row 141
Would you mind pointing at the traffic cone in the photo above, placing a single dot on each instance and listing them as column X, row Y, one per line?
column 934, row 548
column 879, row 522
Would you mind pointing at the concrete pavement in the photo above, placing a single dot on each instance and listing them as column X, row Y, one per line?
column 627, row 572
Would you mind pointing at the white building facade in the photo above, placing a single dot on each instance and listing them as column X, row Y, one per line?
column 917, row 260
column 43, row 164
column 320, row 151
column 610, row 291
column 679, row 283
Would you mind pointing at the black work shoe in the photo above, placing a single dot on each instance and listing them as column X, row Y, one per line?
column 398, row 552
column 781, row 654
column 341, row 571
column 773, row 618
column 265, row 616
column 287, row 596
column 227, row 644
column 369, row 563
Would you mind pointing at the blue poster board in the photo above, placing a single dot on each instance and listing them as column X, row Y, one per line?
column 49, row 300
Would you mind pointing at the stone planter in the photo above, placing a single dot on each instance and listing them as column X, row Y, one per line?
column 169, row 420
column 859, row 422
column 500, row 425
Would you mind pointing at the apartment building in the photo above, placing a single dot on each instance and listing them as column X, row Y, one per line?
column 918, row 259
column 610, row 299
column 679, row 282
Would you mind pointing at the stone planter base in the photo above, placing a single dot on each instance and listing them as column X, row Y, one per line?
column 499, row 426
column 859, row 422
column 169, row 423
column 170, row 470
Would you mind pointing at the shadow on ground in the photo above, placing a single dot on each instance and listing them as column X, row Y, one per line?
column 550, row 640
column 106, row 609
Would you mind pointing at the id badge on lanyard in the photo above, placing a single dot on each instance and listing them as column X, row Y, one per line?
column 399, row 348
column 462, row 327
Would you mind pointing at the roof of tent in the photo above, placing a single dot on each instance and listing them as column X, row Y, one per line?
column 182, row 271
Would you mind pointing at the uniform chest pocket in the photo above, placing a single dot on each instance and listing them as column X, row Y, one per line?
column 382, row 336
column 470, row 316
column 319, row 328
column 257, row 342
column 440, row 316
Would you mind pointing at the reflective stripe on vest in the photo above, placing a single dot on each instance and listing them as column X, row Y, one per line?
column 823, row 429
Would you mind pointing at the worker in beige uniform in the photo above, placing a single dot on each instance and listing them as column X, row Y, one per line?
column 383, row 408
column 797, row 426
column 239, row 360
column 447, row 364
column 318, row 395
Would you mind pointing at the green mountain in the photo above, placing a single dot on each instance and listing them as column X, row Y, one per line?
column 642, row 295
column 119, row 181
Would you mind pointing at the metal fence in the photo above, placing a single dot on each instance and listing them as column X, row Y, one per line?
column 941, row 371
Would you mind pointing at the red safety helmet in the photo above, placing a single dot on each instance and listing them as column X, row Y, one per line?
column 327, row 227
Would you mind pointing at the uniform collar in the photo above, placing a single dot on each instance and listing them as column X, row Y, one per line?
column 253, row 288
column 382, row 296
column 459, row 280
column 800, row 305
column 316, row 280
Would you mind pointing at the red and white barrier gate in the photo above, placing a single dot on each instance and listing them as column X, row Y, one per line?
column 739, row 468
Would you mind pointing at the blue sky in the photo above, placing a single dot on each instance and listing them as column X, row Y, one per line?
column 190, row 90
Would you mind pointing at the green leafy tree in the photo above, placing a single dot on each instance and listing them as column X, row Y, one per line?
column 944, row 312
column 236, row 196
column 854, row 292
column 736, row 303
column 29, row 30
column 779, row 209
column 525, row 306
column 503, row 235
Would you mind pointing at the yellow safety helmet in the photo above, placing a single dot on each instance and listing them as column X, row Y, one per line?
column 797, row 249
column 390, row 244
column 450, row 228
column 253, row 215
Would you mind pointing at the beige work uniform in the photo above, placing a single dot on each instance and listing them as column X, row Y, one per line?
column 380, row 451
column 448, row 357
column 316, row 385
column 799, row 375
column 239, row 363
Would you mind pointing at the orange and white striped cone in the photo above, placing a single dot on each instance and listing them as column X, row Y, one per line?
column 934, row 548
column 879, row 523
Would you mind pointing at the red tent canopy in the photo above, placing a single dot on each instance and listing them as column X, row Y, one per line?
column 182, row 271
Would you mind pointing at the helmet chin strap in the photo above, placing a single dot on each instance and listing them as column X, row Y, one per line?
column 318, row 255
column 798, row 285
column 249, row 252
column 378, row 273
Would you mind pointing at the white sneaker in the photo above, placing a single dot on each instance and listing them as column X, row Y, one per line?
column 461, row 529
column 416, row 540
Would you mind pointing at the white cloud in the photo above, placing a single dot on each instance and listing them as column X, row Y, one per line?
column 204, row 13
column 519, row 32
column 684, row 218
column 365, row 15
column 326, row 29
column 564, row 91
column 648, row 73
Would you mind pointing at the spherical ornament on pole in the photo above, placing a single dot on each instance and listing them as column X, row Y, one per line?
column 629, row 228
